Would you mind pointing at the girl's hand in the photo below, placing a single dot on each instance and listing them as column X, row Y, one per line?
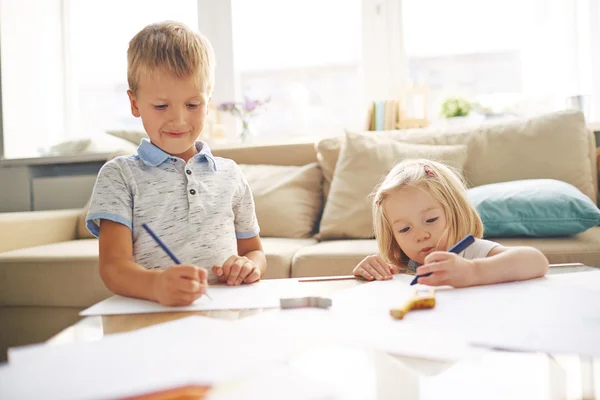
column 375, row 267
column 237, row 269
column 180, row 285
column 448, row 269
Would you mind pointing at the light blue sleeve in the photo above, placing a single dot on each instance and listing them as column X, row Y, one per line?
column 112, row 197
column 246, row 224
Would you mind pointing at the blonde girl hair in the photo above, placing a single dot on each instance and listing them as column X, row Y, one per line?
column 441, row 182
column 173, row 48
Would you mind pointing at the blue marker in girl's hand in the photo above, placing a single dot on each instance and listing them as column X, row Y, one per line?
column 456, row 249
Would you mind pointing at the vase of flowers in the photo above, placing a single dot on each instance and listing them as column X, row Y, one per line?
column 245, row 111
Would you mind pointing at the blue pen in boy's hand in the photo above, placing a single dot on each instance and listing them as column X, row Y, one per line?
column 161, row 244
column 457, row 248
column 164, row 247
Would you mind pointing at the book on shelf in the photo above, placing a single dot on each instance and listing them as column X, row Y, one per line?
column 383, row 115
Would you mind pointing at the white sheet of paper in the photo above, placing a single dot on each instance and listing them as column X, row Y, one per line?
column 457, row 312
column 554, row 319
column 556, row 313
column 120, row 365
column 263, row 294
column 275, row 384
column 309, row 328
column 584, row 280
column 192, row 350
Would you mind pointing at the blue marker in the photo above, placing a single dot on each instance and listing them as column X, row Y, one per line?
column 456, row 249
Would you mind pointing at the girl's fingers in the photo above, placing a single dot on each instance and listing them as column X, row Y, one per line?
column 373, row 271
column 438, row 279
column 365, row 274
column 435, row 267
column 437, row 256
column 383, row 267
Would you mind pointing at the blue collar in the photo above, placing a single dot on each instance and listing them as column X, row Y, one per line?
column 151, row 155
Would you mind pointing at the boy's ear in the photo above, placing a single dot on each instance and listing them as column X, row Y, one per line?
column 135, row 111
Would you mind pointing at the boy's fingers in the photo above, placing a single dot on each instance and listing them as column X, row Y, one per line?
column 235, row 271
column 185, row 299
column 247, row 268
column 226, row 271
column 217, row 270
column 187, row 285
column 203, row 275
column 229, row 262
column 254, row 276
column 393, row 269
column 187, row 271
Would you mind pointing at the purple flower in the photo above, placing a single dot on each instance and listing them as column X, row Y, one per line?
column 245, row 109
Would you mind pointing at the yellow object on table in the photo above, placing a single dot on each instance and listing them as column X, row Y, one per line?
column 420, row 300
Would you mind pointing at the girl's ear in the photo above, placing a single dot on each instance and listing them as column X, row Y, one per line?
column 135, row 110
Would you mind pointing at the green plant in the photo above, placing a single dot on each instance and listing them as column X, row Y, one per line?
column 455, row 107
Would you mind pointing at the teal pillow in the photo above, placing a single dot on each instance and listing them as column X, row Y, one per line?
column 533, row 207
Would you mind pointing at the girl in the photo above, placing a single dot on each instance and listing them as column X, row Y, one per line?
column 420, row 210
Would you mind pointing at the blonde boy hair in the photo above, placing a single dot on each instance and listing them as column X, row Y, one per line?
column 173, row 48
column 445, row 185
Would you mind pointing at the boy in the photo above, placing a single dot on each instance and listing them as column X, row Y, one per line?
column 201, row 206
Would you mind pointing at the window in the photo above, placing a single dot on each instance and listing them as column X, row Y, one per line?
column 98, row 37
column 305, row 56
column 321, row 62
column 509, row 56
column 64, row 71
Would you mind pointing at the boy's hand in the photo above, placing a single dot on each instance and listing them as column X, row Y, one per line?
column 180, row 285
column 375, row 267
column 237, row 269
column 448, row 269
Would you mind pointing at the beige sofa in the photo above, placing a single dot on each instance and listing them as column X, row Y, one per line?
column 310, row 202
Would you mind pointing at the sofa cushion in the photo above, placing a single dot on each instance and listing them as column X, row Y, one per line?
column 272, row 154
column 288, row 199
column 280, row 253
column 583, row 247
column 554, row 146
column 332, row 257
column 328, row 151
column 82, row 231
column 62, row 274
column 364, row 160
column 66, row 274
column 533, row 207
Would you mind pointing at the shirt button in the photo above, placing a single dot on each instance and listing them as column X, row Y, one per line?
column 192, row 191
column 173, row 159
column 187, row 171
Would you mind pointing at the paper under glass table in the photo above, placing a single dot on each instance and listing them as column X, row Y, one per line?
column 369, row 374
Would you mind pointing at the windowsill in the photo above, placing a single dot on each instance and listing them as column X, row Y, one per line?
column 216, row 145
column 48, row 160
column 594, row 126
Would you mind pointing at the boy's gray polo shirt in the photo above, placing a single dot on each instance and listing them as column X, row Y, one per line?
column 197, row 208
